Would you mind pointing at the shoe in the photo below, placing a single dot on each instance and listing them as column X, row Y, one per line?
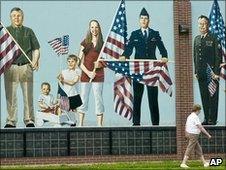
column 9, row 126
column 206, row 164
column 205, row 123
column 73, row 125
column 136, row 124
column 30, row 125
column 212, row 123
column 184, row 166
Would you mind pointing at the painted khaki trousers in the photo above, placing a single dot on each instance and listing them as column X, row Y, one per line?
column 14, row 76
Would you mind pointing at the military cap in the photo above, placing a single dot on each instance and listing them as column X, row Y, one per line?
column 144, row 13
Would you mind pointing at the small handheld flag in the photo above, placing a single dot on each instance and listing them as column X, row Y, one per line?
column 212, row 86
column 60, row 45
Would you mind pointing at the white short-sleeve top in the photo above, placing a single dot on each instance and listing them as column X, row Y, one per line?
column 192, row 122
column 47, row 99
column 71, row 75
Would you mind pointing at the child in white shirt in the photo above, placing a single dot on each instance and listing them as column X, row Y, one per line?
column 68, row 80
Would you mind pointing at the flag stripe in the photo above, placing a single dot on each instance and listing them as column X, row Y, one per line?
column 136, row 67
column 4, row 37
column 122, row 91
column 126, row 91
column 7, row 61
column 111, row 53
column 9, row 55
column 115, row 40
column 118, row 37
column 9, row 50
column 121, row 104
column 6, row 48
column 223, row 72
column 114, row 48
column 146, row 66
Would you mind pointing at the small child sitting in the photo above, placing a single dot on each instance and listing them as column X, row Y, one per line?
column 49, row 107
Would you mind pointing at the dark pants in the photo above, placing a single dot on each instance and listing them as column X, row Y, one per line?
column 138, row 90
column 210, row 104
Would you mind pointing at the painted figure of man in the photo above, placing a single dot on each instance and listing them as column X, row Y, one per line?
column 21, row 71
column 207, row 51
column 145, row 40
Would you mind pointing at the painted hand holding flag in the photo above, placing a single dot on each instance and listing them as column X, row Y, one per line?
column 60, row 45
column 9, row 50
column 217, row 27
column 151, row 73
column 212, row 86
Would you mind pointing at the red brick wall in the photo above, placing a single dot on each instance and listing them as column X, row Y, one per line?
column 183, row 69
column 84, row 159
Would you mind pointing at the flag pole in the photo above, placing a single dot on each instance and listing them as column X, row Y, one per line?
column 102, row 49
column 17, row 44
column 134, row 60
column 61, row 56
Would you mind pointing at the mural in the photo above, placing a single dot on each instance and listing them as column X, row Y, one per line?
column 70, row 84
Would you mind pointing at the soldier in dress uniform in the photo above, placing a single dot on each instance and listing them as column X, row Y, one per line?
column 145, row 40
column 207, row 51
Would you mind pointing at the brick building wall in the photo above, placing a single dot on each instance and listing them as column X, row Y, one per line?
column 94, row 145
column 183, row 68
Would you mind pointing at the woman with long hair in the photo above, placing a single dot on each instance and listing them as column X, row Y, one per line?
column 89, row 53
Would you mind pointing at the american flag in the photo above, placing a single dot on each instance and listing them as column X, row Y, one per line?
column 117, row 37
column 113, row 48
column 64, row 100
column 217, row 27
column 9, row 50
column 151, row 73
column 60, row 45
column 212, row 86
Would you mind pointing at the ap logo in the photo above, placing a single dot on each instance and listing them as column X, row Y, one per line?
column 216, row 161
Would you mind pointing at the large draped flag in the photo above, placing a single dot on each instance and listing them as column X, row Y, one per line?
column 60, row 45
column 151, row 73
column 112, row 49
column 9, row 50
column 217, row 27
